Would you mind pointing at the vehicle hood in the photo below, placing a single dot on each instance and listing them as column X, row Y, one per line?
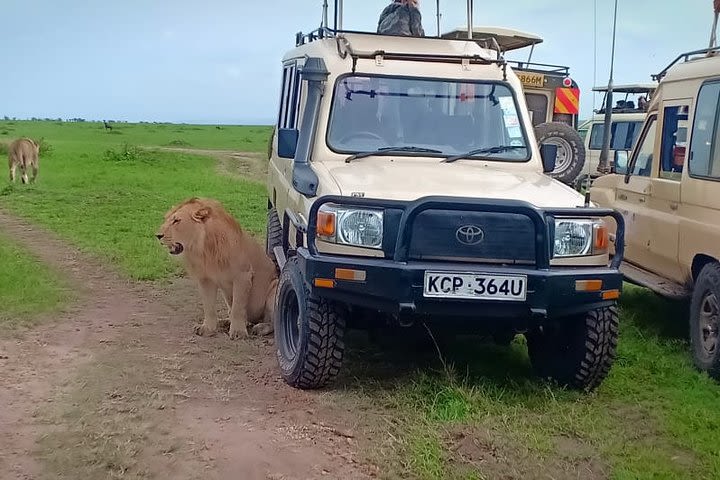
column 397, row 179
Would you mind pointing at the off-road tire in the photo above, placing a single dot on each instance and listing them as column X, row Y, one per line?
column 312, row 356
column 274, row 234
column 706, row 285
column 566, row 138
column 577, row 352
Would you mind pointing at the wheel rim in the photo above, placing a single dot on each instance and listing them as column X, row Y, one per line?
column 290, row 323
column 564, row 153
column 708, row 323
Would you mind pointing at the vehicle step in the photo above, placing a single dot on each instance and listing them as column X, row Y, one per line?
column 656, row 283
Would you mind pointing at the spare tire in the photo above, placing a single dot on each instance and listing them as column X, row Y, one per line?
column 570, row 149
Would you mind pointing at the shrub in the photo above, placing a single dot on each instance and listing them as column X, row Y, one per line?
column 126, row 153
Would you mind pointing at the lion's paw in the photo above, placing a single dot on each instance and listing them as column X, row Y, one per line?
column 262, row 329
column 238, row 333
column 205, row 331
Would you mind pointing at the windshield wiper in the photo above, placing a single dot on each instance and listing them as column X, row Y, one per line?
column 386, row 150
column 480, row 151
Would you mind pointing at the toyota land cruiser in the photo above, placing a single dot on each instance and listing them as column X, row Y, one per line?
column 405, row 183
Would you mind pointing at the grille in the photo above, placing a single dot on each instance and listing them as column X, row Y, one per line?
column 452, row 235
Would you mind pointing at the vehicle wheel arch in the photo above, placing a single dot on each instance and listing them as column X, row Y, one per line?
column 699, row 261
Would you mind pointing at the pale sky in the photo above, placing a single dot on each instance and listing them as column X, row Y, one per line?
column 218, row 61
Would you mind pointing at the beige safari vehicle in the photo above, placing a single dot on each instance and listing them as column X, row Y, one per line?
column 406, row 186
column 627, row 117
column 669, row 194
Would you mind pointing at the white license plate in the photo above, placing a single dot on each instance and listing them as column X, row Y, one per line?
column 475, row 286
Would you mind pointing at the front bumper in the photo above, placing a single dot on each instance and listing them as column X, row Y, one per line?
column 398, row 288
column 395, row 283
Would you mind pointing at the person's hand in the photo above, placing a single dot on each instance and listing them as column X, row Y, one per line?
column 716, row 4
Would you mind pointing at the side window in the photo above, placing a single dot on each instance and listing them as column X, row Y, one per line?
column 644, row 151
column 290, row 97
column 622, row 135
column 596, row 136
column 701, row 158
column 672, row 151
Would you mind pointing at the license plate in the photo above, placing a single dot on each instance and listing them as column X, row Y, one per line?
column 531, row 79
column 475, row 286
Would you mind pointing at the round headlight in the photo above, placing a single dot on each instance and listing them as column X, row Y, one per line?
column 572, row 238
column 363, row 228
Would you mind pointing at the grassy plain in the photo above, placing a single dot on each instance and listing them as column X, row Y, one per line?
column 481, row 414
column 27, row 287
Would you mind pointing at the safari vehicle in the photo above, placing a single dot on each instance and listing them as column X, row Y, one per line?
column 669, row 195
column 628, row 116
column 405, row 185
column 552, row 97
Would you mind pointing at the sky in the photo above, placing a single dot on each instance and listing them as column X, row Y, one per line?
column 218, row 61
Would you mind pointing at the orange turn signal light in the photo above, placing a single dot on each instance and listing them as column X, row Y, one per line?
column 324, row 283
column 601, row 238
column 348, row 274
column 611, row 294
column 326, row 224
column 588, row 285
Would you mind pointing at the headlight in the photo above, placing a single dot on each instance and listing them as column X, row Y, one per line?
column 574, row 238
column 358, row 227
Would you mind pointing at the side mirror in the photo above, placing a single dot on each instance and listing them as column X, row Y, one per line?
column 620, row 162
column 287, row 142
column 548, row 153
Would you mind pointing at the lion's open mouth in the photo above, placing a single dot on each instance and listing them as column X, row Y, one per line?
column 176, row 249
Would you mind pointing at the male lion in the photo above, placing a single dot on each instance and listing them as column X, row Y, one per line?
column 23, row 153
column 220, row 255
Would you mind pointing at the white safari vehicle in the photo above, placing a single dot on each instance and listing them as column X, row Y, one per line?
column 627, row 116
column 405, row 184
column 669, row 194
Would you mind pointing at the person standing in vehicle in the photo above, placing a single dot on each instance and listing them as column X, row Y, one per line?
column 401, row 17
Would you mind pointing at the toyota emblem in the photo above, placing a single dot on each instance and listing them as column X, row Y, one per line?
column 470, row 235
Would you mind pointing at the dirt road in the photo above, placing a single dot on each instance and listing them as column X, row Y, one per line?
column 117, row 386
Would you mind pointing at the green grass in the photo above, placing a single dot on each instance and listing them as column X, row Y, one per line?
column 654, row 417
column 484, row 416
column 27, row 287
column 112, row 204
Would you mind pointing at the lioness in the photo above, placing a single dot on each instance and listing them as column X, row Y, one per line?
column 220, row 255
column 23, row 153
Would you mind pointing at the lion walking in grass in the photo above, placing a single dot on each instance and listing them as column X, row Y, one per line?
column 23, row 153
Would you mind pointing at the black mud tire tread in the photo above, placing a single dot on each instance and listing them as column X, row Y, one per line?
column 274, row 234
column 321, row 347
column 544, row 131
column 708, row 279
column 582, row 353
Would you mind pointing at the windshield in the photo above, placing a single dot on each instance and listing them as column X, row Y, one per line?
column 451, row 117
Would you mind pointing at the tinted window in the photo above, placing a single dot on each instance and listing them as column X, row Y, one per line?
column 538, row 106
column 703, row 131
column 672, row 151
column 622, row 135
column 644, row 152
column 290, row 97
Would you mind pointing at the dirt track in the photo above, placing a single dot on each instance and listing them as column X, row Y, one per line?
column 118, row 386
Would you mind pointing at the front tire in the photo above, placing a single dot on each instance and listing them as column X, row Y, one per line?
column 308, row 332
column 704, row 320
column 273, row 237
column 571, row 150
column 577, row 352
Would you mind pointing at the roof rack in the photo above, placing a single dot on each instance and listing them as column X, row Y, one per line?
column 685, row 57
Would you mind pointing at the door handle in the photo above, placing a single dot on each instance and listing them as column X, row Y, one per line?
column 641, row 199
column 622, row 196
column 673, row 206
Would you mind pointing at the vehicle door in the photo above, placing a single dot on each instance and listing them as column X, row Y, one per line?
column 664, row 196
column 632, row 195
column 280, row 169
column 699, row 210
